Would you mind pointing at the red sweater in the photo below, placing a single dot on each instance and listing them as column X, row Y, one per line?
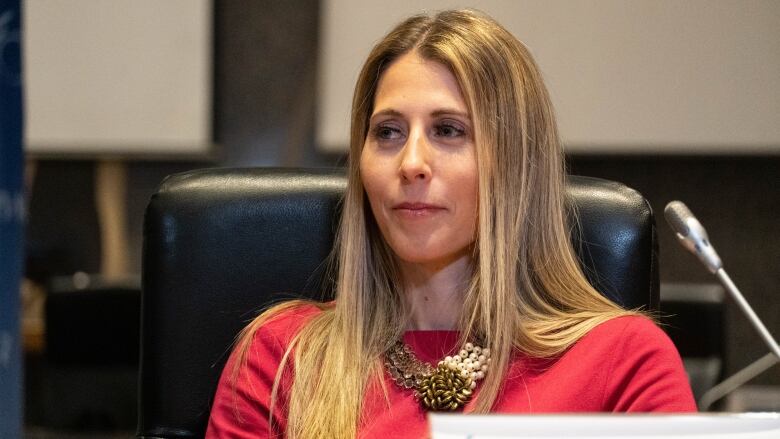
column 624, row 365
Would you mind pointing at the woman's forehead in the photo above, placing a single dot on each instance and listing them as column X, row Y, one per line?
column 412, row 83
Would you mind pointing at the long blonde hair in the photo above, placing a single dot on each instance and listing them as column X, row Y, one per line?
column 527, row 291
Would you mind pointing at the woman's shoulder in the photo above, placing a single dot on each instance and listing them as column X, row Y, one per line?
column 644, row 369
column 244, row 394
column 630, row 333
column 631, row 323
column 264, row 343
column 282, row 322
column 628, row 342
column 639, row 364
column 619, row 339
column 630, row 329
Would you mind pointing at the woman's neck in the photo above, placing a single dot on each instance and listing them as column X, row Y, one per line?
column 435, row 292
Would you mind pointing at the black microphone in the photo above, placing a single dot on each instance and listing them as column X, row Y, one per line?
column 693, row 237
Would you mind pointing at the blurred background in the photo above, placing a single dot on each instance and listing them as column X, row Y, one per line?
column 679, row 100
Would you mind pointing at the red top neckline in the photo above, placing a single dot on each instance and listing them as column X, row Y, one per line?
column 432, row 346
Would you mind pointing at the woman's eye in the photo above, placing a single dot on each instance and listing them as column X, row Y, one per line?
column 384, row 132
column 449, row 130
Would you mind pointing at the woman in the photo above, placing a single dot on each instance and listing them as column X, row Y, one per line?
column 453, row 240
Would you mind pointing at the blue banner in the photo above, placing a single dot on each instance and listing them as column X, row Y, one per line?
column 11, row 219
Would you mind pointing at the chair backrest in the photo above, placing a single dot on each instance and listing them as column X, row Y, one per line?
column 222, row 244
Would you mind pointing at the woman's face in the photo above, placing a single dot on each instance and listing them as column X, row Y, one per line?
column 418, row 163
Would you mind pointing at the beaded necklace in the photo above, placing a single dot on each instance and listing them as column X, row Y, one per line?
column 449, row 385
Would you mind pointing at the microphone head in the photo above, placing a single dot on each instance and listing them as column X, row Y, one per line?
column 691, row 234
column 676, row 213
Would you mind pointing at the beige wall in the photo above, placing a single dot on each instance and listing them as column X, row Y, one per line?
column 639, row 76
column 127, row 77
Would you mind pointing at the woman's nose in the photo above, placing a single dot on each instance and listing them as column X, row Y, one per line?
column 415, row 159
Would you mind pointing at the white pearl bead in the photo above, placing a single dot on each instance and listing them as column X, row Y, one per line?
column 476, row 364
column 469, row 347
column 464, row 373
column 463, row 353
column 484, row 368
column 448, row 358
column 482, row 358
column 473, row 376
column 486, row 351
column 473, row 385
column 477, row 350
column 488, row 360
column 480, row 375
column 473, row 356
column 470, row 367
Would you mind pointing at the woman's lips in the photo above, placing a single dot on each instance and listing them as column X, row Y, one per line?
column 416, row 210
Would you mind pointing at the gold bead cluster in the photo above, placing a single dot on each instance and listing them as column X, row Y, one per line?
column 445, row 389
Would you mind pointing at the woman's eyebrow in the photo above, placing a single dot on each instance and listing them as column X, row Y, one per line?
column 450, row 112
column 387, row 112
column 434, row 113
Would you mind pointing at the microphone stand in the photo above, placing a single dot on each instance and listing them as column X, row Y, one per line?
column 755, row 368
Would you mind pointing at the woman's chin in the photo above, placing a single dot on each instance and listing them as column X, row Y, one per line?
column 431, row 257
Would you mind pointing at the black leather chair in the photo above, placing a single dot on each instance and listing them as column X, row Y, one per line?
column 222, row 244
